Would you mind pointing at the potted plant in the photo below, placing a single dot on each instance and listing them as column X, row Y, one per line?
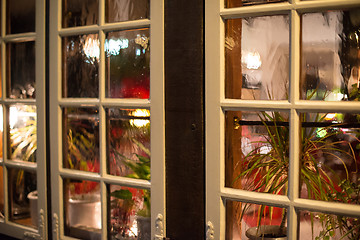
column 265, row 167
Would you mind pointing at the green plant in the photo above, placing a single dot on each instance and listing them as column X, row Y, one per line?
column 267, row 170
column 140, row 170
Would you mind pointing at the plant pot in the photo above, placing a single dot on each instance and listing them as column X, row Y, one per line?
column 266, row 232
column 85, row 211
column 144, row 228
column 33, row 199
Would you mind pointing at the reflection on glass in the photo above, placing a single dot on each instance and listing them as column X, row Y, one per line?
column 243, row 220
column 21, row 70
column 262, row 71
column 129, row 213
column 20, row 16
column 126, row 10
column 240, row 3
column 79, row 13
column 1, row 193
column 316, row 225
column 329, row 156
column 20, row 184
column 81, row 139
column 23, row 137
column 257, row 151
column 81, row 66
column 82, row 209
column 128, row 64
column 129, row 142
column 330, row 56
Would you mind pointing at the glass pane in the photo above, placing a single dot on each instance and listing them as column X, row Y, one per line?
column 316, row 225
column 257, row 151
column 330, row 59
column 81, row 139
column 1, row 132
column 128, row 64
column 129, row 142
column 79, row 13
column 20, row 16
column 21, row 184
column 247, row 221
column 129, row 213
column 21, row 73
column 255, row 68
column 126, row 10
column 240, row 3
column 82, row 209
column 330, row 156
column 23, row 137
column 1, row 193
column 81, row 66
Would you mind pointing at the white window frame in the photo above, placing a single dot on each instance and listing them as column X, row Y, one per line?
column 8, row 227
column 217, row 105
column 155, row 104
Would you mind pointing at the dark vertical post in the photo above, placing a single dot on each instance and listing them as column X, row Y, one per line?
column 184, row 119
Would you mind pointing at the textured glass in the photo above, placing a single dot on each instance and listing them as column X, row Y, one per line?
column 126, row 10
column 79, row 13
column 317, row 225
column 1, row 193
column 23, row 137
column 129, row 213
column 240, row 3
column 330, row 56
column 129, row 142
column 20, row 184
column 257, row 151
column 128, row 64
column 20, row 16
column 82, row 209
column 21, row 70
column 243, row 220
column 257, row 58
column 81, row 66
column 81, row 139
column 330, row 156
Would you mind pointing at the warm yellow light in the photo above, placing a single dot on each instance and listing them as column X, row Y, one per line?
column 140, row 122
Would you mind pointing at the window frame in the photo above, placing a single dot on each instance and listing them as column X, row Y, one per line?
column 217, row 104
column 155, row 104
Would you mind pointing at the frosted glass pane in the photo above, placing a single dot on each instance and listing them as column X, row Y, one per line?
column 129, row 213
column 20, row 184
column 82, row 209
column 79, row 13
column 126, row 10
column 240, row 3
column 20, row 16
column 81, row 139
column 23, row 135
column 128, row 64
column 243, row 221
column 129, row 142
column 330, row 68
column 257, row 58
column 21, row 74
column 81, row 66
column 257, row 151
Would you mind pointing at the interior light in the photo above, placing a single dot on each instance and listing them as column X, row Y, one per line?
column 140, row 122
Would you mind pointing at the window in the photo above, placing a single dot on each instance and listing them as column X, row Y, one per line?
column 106, row 117
column 282, row 118
column 23, row 145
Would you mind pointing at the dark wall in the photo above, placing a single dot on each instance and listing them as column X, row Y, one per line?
column 184, row 119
